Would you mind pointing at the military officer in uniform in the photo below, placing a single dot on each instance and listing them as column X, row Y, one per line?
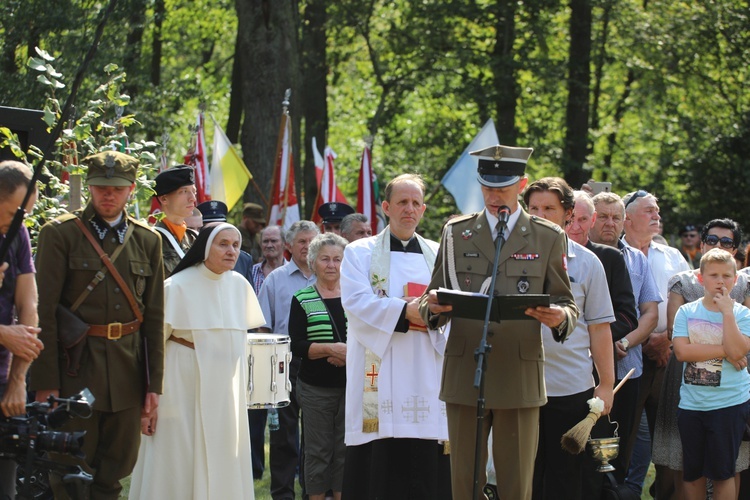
column 331, row 215
column 175, row 192
column 122, row 355
column 532, row 260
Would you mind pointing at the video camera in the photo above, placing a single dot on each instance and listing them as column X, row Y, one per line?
column 28, row 439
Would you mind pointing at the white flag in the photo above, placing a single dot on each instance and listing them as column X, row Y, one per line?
column 461, row 180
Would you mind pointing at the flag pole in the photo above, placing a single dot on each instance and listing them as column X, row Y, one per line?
column 285, row 106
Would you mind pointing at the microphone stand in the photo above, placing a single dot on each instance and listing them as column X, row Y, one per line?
column 480, row 354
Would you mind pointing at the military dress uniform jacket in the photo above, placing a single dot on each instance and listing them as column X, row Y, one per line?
column 170, row 255
column 112, row 369
column 531, row 261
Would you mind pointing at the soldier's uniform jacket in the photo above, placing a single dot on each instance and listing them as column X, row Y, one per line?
column 112, row 369
column 169, row 254
column 251, row 244
column 531, row 261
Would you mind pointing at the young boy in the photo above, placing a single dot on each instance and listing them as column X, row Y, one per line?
column 711, row 337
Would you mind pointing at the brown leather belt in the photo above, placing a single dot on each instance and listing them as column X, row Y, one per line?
column 180, row 341
column 114, row 331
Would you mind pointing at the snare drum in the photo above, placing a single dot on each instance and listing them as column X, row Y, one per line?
column 268, row 358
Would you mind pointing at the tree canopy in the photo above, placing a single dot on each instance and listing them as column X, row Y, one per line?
column 646, row 95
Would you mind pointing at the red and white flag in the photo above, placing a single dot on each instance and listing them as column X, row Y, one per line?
column 284, row 206
column 368, row 202
column 328, row 190
column 196, row 157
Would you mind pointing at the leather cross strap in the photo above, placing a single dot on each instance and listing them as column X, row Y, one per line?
column 99, row 276
column 116, row 275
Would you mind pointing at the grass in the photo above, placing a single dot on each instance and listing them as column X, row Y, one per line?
column 263, row 485
column 650, row 476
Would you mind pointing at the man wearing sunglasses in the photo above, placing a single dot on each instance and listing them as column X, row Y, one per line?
column 641, row 223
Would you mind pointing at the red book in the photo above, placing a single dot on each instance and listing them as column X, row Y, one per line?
column 412, row 289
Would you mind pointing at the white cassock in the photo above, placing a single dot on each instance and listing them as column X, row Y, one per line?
column 411, row 363
column 201, row 446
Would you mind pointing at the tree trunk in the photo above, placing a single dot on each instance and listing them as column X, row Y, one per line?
column 270, row 65
column 314, row 74
column 136, row 19
column 601, row 57
column 234, row 120
column 579, row 76
column 159, row 15
column 504, row 71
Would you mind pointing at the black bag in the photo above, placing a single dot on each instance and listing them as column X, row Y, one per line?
column 611, row 490
column 71, row 330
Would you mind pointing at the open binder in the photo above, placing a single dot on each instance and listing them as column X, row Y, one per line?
column 510, row 307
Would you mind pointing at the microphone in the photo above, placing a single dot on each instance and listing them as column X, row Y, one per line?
column 503, row 214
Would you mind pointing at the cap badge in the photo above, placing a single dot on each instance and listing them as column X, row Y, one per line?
column 466, row 234
column 333, row 206
column 109, row 162
column 523, row 285
column 214, row 205
column 498, row 153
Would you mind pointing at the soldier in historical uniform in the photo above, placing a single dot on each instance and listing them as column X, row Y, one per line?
column 253, row 222
column 532, row 260
column 122, row 353
column 175, row 192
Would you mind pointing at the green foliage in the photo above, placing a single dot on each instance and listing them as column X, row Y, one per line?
column 100, row 127
column 672, row 113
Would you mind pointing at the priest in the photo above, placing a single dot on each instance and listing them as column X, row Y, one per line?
column 396, row 428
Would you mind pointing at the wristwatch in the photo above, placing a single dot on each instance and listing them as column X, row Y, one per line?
column 625, row 344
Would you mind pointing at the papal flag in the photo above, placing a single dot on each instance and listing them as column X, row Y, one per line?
column 229, row 175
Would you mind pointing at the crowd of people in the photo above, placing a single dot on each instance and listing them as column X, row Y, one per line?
column 385, row 400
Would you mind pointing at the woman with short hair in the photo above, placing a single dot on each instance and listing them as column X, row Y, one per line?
column 317, row 327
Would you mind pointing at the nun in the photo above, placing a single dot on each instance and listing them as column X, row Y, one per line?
column 197, row 444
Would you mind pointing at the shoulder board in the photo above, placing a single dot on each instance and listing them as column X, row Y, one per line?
column 461, row 218
column 140, row 223
column 64, row 218
column 546, row 223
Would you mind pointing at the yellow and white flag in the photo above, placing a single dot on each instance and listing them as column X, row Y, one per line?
column 229, row 175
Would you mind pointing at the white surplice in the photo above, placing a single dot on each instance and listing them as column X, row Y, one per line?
column 411, row 363
column 201, row 446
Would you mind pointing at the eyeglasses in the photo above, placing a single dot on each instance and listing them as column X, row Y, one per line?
column 690, row 235
column 713, row 240
column 638, row 194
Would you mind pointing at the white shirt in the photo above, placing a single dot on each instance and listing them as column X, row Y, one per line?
column 665, row 262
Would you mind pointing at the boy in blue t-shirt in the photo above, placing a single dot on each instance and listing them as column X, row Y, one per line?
column 711, row 337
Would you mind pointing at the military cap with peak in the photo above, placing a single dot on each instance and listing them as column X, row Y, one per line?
column 253, row 211
column 213, row 211
column 173, row 179
column 110, row 168
column 501, row 166
column 334, row 211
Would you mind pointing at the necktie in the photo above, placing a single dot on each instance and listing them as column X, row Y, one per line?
column 500, row 238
